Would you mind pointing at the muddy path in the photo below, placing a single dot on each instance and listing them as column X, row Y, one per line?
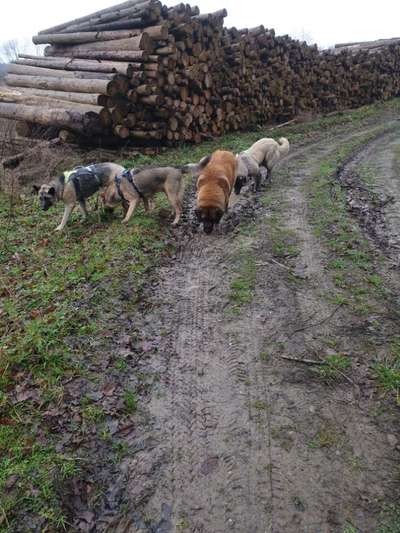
column 239, row 434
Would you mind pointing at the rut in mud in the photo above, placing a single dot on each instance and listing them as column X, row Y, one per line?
column 240, row 435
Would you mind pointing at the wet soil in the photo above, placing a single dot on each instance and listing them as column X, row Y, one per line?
column 233, row 435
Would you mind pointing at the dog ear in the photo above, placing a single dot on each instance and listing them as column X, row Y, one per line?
column 52, row 191
column 35, row 188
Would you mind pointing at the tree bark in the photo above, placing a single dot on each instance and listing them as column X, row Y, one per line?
column 60, row 84
column 80, row 98
column 123, row 5
column 25, row 70
column 77, row 64
column 141, row 10
column 83, row 37
column 138, row 43
column 51, row 103
column 125, row 55
column 75, row 120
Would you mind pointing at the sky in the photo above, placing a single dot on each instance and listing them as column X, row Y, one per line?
column 317, row 21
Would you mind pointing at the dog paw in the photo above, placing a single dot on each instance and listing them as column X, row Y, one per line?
column 59, row 228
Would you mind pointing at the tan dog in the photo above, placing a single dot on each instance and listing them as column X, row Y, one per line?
column 214, row 187
column 142, row 184
column 76, row 186
column 247, row 167
column 267, row 152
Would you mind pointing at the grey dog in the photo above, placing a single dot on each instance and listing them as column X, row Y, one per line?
column 75, row 186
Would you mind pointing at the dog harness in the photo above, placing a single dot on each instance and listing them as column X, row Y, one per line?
column 85, row 181
column 127, row 174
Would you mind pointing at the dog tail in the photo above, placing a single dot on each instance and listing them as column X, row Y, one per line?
column 195, row 168
column 284, row 146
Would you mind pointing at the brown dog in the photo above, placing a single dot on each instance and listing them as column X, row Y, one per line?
column 214, row 187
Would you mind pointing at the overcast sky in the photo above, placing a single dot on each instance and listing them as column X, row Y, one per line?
column 322, row 21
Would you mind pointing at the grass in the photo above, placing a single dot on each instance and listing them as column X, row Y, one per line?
column 60, row 307
column 57, row 296
column 352, row 261
column 387, row 370
column 390, row 521
column 326, row 437
column 242, row 285
column 334, row 368
column 130, row 401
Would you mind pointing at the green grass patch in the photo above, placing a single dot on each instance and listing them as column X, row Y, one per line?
column 334, row 367
column 243, row 261
column 390, row 520
column 130, row 401
column 58, row 295
column 387, row 370
column 326, row 437
column 352, row 260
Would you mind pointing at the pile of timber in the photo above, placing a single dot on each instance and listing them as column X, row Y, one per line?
column 144, row 73
column 370, row 46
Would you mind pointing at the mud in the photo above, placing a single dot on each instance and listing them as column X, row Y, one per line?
column 233, row 436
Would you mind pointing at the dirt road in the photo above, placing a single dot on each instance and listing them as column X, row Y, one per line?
column 242, row 432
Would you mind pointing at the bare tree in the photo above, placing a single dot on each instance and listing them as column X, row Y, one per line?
column 9, row 50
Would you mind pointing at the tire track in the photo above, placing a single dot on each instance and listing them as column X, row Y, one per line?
column 235, row 430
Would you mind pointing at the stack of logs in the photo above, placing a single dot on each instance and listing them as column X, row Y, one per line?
column 143, row 72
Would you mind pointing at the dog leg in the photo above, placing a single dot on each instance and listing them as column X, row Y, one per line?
column 178, row 213
column 257, row 181
column 132, row 206
column 177, row 205
column 149, row 204
column 67, row 211
column 83, row 210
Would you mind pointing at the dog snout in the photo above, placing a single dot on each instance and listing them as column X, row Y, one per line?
column 208, row 227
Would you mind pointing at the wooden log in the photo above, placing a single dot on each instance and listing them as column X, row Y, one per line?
column 61, row 84
column 121, row 131
column 31, row 99
column 84, row 37
column 138, row 43
column 143, row 10
column 25, row 70
column 146, row 135
column 85, row 123
column 82, row 98
column 127, row 23
column 78, row 64
column 123, row 5
column 115, row 55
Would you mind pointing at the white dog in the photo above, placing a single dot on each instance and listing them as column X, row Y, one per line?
column 247, row 167
column 267, row 152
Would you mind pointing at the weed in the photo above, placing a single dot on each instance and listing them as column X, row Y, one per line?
column 92, row 413
column 243, row 284
column 349, row 528
column 387, row 370
column 333, row 368
column 327, row 437
column 260, row 405
column 390, row 520
column 130, row 401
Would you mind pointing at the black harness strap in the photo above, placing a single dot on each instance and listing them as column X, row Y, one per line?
column 77, row 185
column 118, row 185
column 127, row 174
column 79, row 171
